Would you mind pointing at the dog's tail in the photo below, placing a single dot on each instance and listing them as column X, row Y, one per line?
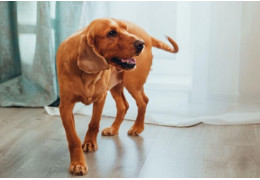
column 161, row 45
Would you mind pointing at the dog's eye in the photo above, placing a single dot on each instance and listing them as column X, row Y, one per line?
column 112, row 33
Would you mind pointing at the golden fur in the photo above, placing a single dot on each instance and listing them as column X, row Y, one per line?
column 86, row 72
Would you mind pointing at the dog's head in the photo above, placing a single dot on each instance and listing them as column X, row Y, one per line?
column 107, row 42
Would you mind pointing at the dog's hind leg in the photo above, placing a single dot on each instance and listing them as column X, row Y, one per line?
column 122, row 107
column 141, row 101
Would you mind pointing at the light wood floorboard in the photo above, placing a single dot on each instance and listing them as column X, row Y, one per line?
column 33, row 144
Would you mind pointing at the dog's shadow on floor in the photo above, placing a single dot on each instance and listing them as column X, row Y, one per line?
column 122, row 155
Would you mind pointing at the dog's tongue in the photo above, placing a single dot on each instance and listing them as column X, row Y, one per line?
column 129, row 60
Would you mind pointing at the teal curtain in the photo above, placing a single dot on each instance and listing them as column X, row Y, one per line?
column 29, row 37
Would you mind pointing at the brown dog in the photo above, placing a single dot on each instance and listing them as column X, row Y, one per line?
column 108, row 54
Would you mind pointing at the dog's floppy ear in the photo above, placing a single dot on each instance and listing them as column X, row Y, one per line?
column 89, row 60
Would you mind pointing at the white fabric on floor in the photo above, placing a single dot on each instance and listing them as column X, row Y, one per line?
column 171, row 109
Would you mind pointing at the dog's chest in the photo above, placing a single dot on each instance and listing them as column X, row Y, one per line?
column 114, row 79
column 94, row 86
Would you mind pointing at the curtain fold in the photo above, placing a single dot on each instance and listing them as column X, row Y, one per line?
column 34, row 86
column 10, row 65
column 29, row 37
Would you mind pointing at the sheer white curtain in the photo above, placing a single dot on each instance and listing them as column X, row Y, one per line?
column 215, row 76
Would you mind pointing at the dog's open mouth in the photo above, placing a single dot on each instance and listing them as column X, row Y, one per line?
column 124, row 63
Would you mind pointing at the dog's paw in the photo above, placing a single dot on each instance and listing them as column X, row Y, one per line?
column 78, row 168
column 110, row 131
column 135, row 130
column 89, row 146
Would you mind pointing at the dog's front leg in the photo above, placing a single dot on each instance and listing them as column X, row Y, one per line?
column 78, row 164
column 90, row 141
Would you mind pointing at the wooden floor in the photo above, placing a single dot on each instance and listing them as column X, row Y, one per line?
column 33, row 144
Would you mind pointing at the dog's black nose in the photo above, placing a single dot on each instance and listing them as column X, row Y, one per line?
column 139, row 45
